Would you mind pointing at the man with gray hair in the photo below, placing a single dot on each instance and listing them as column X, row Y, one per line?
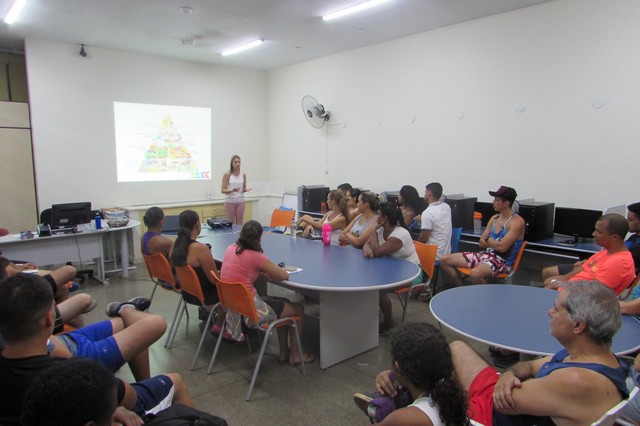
column 576, row 386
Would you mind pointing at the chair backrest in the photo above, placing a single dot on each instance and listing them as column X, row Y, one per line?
column 456, row 233
column 159, row 268
column 609, row 418
column 516, row 263
column 45, row 217
column 237, row 298
column 427, row 255
column 282, row 218
column 629, row 290
column 189, row 282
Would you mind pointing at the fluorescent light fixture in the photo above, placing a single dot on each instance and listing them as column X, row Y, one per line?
column 242, row 48
column 353, row 9
column 14, row 11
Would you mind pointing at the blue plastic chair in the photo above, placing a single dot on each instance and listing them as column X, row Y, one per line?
column 456, row 233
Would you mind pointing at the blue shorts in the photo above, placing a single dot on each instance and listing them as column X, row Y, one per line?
column 153, row 395
column 96, row 342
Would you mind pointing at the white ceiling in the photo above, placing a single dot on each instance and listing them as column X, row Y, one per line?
column 292, row 29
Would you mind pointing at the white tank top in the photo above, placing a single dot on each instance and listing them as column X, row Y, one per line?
column 235, row 182
column 426, row 405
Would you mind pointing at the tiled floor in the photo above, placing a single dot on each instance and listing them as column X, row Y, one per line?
column 282, row 396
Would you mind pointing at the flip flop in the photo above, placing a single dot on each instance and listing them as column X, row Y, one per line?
column 307, row 359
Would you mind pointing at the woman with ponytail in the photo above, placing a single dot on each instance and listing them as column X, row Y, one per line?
column 422, row 365
column 187, row 251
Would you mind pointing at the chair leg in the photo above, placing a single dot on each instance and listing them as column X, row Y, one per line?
column 435, row 280
column 215, row 351
column 297, row 334
column 403, row 303
column 180, row 311
column 155, row 286
column 256, row 370
column 204, row 333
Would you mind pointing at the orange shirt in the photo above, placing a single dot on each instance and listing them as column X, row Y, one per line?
column 616, row 271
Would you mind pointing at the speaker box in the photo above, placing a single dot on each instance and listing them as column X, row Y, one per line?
column 538, row 217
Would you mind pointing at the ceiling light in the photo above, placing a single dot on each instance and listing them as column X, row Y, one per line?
column 14, row 11
column 353, row 9
column 242, row 48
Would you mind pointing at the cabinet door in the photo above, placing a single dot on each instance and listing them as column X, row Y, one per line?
column 213, row 210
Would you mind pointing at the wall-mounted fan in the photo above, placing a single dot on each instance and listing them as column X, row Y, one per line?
column 314, row 112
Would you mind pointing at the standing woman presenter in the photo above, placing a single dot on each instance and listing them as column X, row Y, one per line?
column 234, row 185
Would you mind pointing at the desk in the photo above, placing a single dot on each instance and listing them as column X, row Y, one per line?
column 514, row 317
column 346, row 282
column 77, row 247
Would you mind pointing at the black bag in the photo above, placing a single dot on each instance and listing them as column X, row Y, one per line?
column 181, row 415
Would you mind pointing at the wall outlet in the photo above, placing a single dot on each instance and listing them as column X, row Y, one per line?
column 210, row 195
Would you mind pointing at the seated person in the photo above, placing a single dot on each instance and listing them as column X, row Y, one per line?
column 422, row 365
column 358, row 231
column 500, row 241
column 576, row 386
column 412, row 206
column 436, row 220
column 337, row 217
column 26, row 321
column 153, row 241
column 633, row 244
column 187, row 250
column 390, row 239
column 612, row 266
column 73, row 392
column 244, row 262
column 352, row 203
column 345, row 188
column 68, row 310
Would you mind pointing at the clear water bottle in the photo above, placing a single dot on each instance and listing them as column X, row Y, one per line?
column 477, row 223
column 326, row 234
column 293, row 228
column 98, row 221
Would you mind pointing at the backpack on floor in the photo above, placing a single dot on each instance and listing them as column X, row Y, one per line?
column 181, row 415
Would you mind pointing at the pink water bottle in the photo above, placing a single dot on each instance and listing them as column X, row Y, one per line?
column 326, row 234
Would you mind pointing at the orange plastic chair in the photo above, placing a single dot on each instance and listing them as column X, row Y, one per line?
column 189, row 285
column 162, row 276
column 427, row 255
column 514, row 268
column 281, row 217
column 235, row 297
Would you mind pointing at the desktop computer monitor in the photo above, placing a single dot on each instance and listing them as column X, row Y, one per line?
column 69, row 214
column 578, row 223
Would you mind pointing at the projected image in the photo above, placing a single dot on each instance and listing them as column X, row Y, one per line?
column 162, row 142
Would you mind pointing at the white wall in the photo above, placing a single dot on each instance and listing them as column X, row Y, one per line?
column 556, row 58
column 71, row 101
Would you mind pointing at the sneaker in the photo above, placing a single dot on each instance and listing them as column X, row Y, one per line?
column 139, row 303
column 362, row 400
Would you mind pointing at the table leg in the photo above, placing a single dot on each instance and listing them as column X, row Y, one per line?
column 348, row 325
column 124, row 253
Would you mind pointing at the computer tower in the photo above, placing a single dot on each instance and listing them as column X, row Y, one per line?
column 310, row 197
column 538, row 218
column 461, row 210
